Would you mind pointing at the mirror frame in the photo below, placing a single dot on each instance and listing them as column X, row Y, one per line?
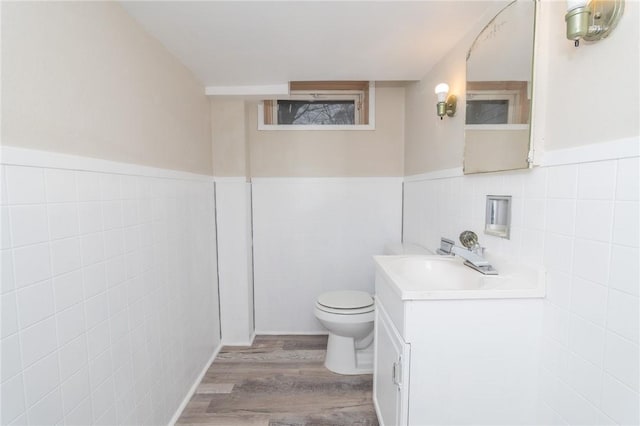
column 477, row 159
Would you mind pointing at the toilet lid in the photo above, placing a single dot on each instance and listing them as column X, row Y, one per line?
column 345, row 299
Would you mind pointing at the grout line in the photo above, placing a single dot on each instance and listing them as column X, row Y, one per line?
column 17, row 311
column 86, row 398
column 568, row 385
column 555, row 412
column 606, row 302
column 56, row 388
column 84, row 293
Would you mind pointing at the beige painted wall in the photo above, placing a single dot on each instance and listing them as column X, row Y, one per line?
column 585, row 95
column 593, row 91
column 431, row 143
column 84, row 78
column 332, row 153
column 228, row 132
column 490, row 150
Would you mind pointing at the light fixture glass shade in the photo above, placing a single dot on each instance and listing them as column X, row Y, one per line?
column 441, row 90
column 574, row 4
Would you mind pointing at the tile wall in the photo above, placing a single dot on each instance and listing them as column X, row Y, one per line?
column 235, row 261
column 109, row 300
column 312, row 235
column 581, row 222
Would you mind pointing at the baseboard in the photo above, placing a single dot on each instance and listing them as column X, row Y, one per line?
column 377, row 409
column 292, row 333
column 193, row 388
column 241, row 343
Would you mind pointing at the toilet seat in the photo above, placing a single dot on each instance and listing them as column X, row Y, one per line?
column 344, row 311
column 345, row 302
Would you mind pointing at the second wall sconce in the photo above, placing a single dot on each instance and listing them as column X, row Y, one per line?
column 592, row 20
column 446, row 103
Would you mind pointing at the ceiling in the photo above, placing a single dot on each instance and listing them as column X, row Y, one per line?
column 241, row 43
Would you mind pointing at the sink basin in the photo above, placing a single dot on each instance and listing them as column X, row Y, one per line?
column 443, row 277
column 436, row 273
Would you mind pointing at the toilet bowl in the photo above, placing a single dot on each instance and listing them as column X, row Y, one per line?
column 348, row 316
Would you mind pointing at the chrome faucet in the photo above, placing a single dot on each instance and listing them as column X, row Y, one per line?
column 469, row 239
column 472, row 253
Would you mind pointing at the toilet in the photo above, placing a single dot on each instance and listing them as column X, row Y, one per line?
column 349, row 315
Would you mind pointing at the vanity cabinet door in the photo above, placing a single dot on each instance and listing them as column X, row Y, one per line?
column 390, row 376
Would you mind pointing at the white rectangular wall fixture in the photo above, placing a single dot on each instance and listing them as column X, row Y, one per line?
column 109, row 298
column 235, row 263
column 498, row 216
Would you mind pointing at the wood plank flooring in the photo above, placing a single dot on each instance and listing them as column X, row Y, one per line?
column 279, row 381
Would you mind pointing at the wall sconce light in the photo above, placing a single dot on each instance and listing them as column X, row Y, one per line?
column 446, row 104
column 592, row 20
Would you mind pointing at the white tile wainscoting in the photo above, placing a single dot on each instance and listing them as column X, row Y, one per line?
column 581, row 222
column 313, row 235
column 109, row 299
column 235, row 262
column 109, row 289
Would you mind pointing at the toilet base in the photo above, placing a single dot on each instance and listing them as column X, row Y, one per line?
column 343, row 358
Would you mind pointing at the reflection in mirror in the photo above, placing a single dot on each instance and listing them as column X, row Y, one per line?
column 499, row 86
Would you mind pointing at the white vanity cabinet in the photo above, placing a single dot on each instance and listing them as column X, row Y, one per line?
column 454, row 361
column 391, row 378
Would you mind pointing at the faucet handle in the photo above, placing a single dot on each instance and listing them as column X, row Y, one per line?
column 469, row 239
column 445, row 246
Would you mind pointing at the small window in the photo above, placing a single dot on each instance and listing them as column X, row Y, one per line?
column 488, row 112
column 319, row 106
column 492, row 107
column 497, row 102
column 316, row 111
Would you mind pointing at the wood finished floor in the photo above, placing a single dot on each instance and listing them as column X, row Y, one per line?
column 279, row 381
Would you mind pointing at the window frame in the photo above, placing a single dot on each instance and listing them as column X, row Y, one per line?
column 511, row 96
column 356, row 96
column 332, row 94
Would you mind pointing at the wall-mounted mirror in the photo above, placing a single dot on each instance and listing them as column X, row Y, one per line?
column 499, row 87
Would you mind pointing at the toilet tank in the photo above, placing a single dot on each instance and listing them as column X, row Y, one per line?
column 405, row 248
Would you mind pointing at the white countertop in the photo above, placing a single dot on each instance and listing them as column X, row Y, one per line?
column 423, row 277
